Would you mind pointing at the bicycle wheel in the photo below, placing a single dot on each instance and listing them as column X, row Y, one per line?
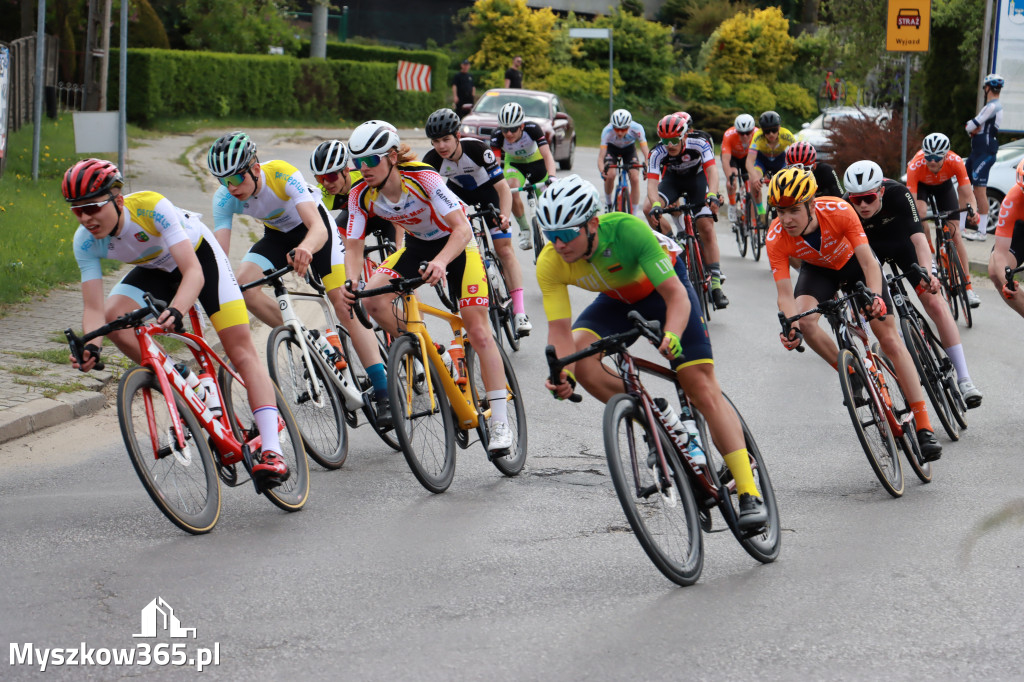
column 313, row 399
column 293, row 493
column 511, row 464
column 695, row 270
column 538, row 238
column 766, row 543
column 363, row 383
column 945, row 275
column 870, row 423
column 908, row 441
column 182, row 482
column 959, row 278
column 954, row 398
column 422, row 419
column 931, row 378
column 739, row 229
column 622, row 202
column 757, row 235
column 658, row 504
column 502, row 321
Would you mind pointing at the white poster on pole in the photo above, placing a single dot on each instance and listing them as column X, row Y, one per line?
column 5, row 83
column 1008, row 62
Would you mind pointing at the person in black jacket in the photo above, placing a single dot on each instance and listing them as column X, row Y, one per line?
column 805, row 155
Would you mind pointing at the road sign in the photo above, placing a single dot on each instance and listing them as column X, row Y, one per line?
column 908, row 26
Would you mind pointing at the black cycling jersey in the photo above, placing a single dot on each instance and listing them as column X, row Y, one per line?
column 828, row 180
column 476, row 167
column 889, row 231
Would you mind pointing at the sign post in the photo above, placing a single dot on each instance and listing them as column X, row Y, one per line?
column 601, row 33
column 907, row 30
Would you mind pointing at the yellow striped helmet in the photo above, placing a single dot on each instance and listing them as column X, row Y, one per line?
column 790, row 187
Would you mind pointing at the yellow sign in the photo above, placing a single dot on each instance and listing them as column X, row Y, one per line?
column 908, row 26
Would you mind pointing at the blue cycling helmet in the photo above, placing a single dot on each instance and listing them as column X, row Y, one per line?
column 994, row 81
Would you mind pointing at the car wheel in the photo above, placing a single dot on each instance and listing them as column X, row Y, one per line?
column 566, row 163
column 995, row 198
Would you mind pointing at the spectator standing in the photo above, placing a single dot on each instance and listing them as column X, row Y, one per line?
column 463, row 90
column 514, row 74
column 984, row 131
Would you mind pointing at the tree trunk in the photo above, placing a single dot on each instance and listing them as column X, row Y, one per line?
column 810, row 13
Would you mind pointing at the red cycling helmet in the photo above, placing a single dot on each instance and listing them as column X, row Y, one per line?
column 802, row 153
column 90, row 178
column 674, row 125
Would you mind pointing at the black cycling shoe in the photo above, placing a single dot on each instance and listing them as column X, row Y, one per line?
column 860, row 396
column 719, row 298
column 753, row 512
column 382, row 409
column 930, row 448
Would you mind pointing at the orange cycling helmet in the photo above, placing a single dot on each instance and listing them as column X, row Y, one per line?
column 802, row 153
column 790, row 187
column 674, row 125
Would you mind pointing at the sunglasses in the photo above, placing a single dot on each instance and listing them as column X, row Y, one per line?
column 770, row 131
column 90, row 209
column 621, row 130
column 863, row 199
column 328, row 177
column 371, row 161
column 233, row 180
column 566, row 235
column 934, row 158
column 511, row 130
column 671, row 140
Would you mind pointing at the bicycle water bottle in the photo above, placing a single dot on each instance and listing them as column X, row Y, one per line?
column 446, row 357
column 671, row 418
column 695, row 450
column 191, row 379
column 321, row 343
column 335, row 343
column 458, row 355
column 212, row 398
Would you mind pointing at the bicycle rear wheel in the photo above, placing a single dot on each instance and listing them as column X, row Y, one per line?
column 622, row 201
column 538, row 237
column 511, row 464
column 758, row 229
column 739, row 228
column 312, row 397
column 500, row 309
column 182, row 482
column 870, row 424
column 931, row 378
column 945, row 275
column 658, row 504
column 908, row 441
column 422, row 418
column 363, row 383
column 959, row 277
column 695, row 270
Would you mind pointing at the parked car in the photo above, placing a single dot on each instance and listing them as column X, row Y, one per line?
column 817, row 131
column 1002, row 177
column 542, row 108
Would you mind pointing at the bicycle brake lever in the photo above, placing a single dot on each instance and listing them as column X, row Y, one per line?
column 556, row 371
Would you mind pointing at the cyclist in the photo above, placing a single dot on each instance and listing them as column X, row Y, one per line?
column 525, row 149
column 475, row 176
column 767, row 152
column 619, row 140
column 735, row 145
column 827, row 236
column 984, row 132
column 682, row 167
column 176, row 259
column 297, row 229
column 1009, row 248
column 413, row 196
column 804, row 154
column 889, row 215
column 632, row 268
column 931, row 173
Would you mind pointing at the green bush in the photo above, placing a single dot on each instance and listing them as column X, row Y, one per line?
column 794, row 98
column 712, row 118
column 691, row 85
column 568, row 81
column 754, row 98
column 439, row 62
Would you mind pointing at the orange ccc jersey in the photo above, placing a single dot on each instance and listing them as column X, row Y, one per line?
column 841, row 232
column 1011, row 212
column 918, row 173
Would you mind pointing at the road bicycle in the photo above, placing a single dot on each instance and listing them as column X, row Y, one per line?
column 746, row 215
column 499, row 307
column 163, row 421
column 832, row 92
column 689, row 239
column 761, row 222
column 933, row 365
column 531, row 193
column 950, row 269
column 666, row 497
column 622, row 201
column 878, row 408
column 429, row 422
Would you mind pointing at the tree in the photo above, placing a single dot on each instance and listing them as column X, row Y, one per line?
column 643, row 51
column 510, row 28
column 240, row 26
column 752, row 46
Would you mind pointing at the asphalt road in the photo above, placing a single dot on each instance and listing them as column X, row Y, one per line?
column 538, row 577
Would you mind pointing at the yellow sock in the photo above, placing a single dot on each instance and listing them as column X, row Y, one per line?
column 739, row 464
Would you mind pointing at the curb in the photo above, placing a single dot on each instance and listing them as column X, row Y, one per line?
column 41, row 413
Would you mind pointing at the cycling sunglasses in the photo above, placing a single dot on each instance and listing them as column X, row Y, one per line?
column 371, row 161
column 671, row 140
column 770, row 131
column 566, row 234
column 90, row 209
column 863, row 199
column 934, row 158
column 328, row 177
column 620, row 131
column 233, row 180
column 511, row 130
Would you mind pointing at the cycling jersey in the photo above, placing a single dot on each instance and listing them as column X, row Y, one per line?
column 282, row 189
column 890, row 229
column 840, row 230
column 1011, row 221
column 635, row 133
column 828, row 180
column 986, row 141
column 419, row 211
column 696, row 156
column 734, row 145
column 336, row 201
column 524, row 150
column 477, row 166
column 760, row 143
column 918, row 173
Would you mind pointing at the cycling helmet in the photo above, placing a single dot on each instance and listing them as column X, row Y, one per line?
column 802, row 153
column 935, row 144
column 770, row 119
column 674, row 125
column 994, row 81
column 791, row 186
column 373, row 137
column 511, row 116
column 621, row 119
column 442, row 122
column 329, row 156
column 744, row 124
column 863, row 176
column 569, row 202
column 230, row 154
column 90, row 178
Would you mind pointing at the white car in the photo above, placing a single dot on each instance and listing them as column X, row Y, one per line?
column 817, row 132
column 1002, row 177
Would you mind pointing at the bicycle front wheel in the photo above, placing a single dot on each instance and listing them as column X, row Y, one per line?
column 870, row 423
column 511, row 464
column 538, row 237
column 959, row 278
column 695, row 269
column 181, row 481
column 931, row 378
column 758, row 229
column 312, row 397
column 948, row 281
column 622, row 202
column 422, row 418
column 658, row 504
column 501, row 305
column 357, row 373
column 908, row 441
column 740, row 229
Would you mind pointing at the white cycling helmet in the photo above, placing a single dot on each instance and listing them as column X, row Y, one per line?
column 862, row 177
column 744, row 124
column 373, row 137
column 511, row 115
column 935, row 144
column 994, row 81
column 329, row 156
column 621, row 119
column 569, row 202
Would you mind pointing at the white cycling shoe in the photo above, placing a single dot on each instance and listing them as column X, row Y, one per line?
column 522, row 324
column 499, row 438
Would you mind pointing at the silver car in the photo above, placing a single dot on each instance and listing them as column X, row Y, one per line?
column 1002, row 177
column 817, row 131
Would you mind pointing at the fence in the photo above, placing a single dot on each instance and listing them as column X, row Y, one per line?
column 23, row 77
column 70, row 96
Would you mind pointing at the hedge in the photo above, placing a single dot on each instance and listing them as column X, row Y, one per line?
column 439, row 62
column 165, row 83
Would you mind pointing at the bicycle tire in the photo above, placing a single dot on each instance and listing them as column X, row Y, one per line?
column 513, row 463
column 192, row 500
column 739, row 228
column 665, row 524
column 538, row 238
column 622, row 200
column 503, row 314
column 320, row 422
column 764, row 546
column 412, row 416
column 907, row 442
column 292, row 494
column 757, row 236
column 357, row 373
column 695, row 270
column 931, row 378
column 949, row 378
column 868, row 420
column 945, row 275
column 960, row 278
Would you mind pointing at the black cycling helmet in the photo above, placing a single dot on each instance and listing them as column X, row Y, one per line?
column 770, row 119
column 442, row 122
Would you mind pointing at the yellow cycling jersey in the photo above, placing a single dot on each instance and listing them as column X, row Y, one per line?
column 335, row 201
column 761, row 146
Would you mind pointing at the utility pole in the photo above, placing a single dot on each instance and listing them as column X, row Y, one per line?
column 97, row 55
column 985, row 52
column 318, row 30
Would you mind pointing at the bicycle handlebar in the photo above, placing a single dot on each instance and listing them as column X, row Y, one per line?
column 679, row 208
column 1011, row 284
column 398, row 285
column 946, row 215
column 154, row 307
column 861, row 294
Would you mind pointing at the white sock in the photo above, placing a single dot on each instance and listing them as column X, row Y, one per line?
column 266, row 423
column 498, row 400
column 956, row 356
column 983, row 223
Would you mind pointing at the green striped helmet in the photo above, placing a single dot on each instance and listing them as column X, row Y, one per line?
column 230, row 154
